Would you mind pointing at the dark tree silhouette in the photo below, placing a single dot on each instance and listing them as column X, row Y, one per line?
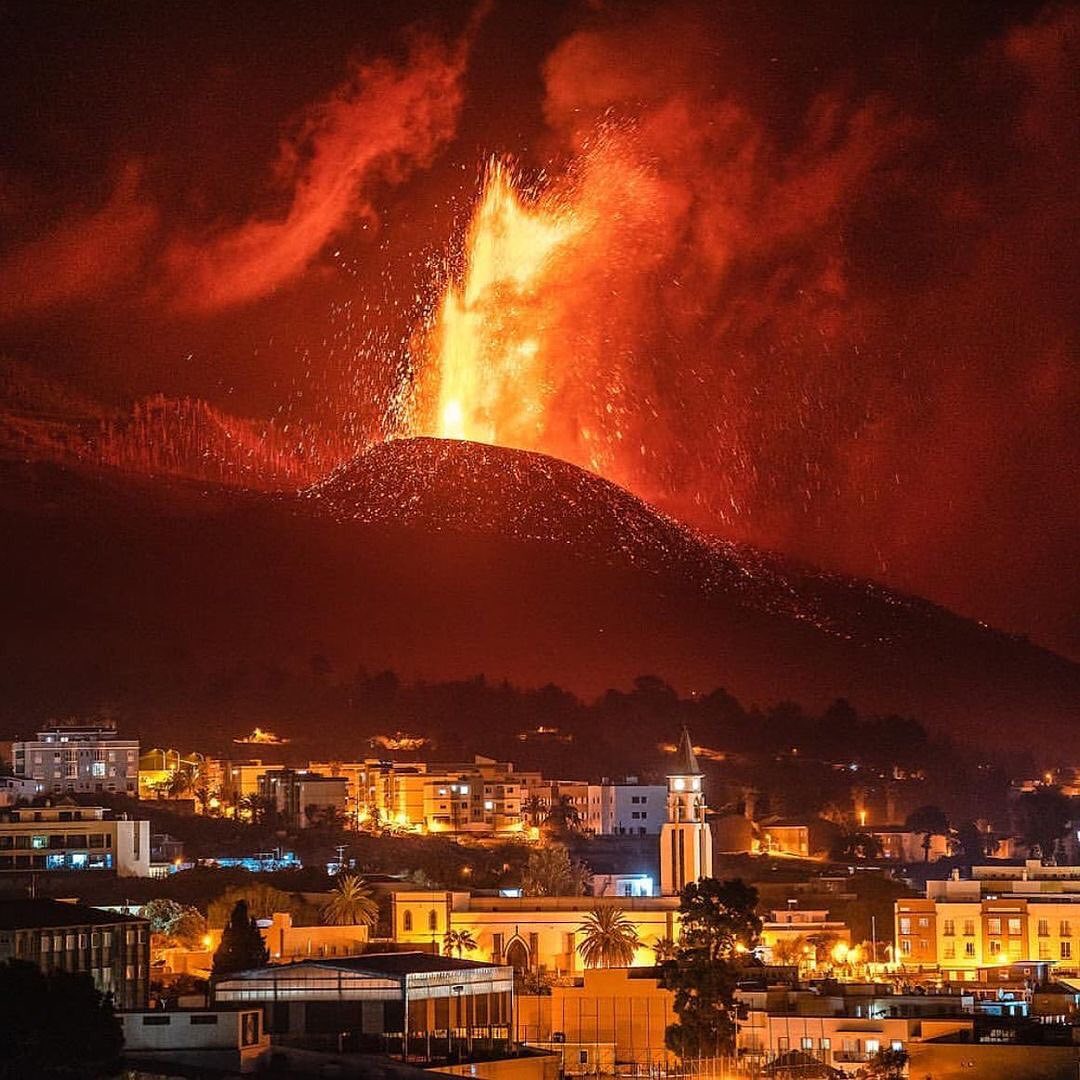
column 930, row 821
column 1043, row 815
column 242, row 946
column 55, row 1025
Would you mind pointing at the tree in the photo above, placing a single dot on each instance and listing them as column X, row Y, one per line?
column 609, row 939
column 242, row 946
column 533, row 810
column 350, row 903
column 182, row 925
column 665, row 949
column 718, row 917
column 718, row 923
column 459, row 941
column 930, row 821
column 854, row 845
column 1043, row 815
column 972, row 841
column 161, row 914
column 324, row 816
column 262, row 901
column 790, row 952
column 551, row 872
column 55, row 1024
column 886, row 1064
column 562, row 818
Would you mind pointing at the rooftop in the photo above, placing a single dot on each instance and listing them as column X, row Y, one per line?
column 46, row 914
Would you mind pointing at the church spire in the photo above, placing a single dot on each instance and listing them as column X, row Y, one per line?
column 685, row 763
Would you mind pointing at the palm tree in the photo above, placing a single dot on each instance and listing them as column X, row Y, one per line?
column 533, row 809
column 461, row 940
column 665, row 949
column 610, row 940
column 350, row 903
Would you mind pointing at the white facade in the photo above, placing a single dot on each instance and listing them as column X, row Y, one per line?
column 80, row 759
column 60, row 838
column 215, row 1038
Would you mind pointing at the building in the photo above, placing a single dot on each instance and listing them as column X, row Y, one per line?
column 784, row 838
column 807, row 929
column 409, row 1003
column 221, row 1041
column 906, row 845
column 799, row 1029
column 1003, row 915
column 614, row 808
column 685, row 838
column 15, row 789
column 114, row 950
column 480, row 797
column 236, row 781
column 157, row 767
column 62, row 838
column 303, row 799
column 530, row 933
column 603, row 1021
column 82, row 759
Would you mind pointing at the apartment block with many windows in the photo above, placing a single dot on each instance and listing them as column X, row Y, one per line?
column 67, row 838
column 80, row 759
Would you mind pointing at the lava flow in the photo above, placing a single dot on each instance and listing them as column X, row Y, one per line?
column 487, row 346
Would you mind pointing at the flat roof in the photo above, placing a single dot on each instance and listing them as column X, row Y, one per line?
column 47, row 914
column 402, row 963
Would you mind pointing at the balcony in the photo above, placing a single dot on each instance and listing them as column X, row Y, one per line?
column 851, row 1056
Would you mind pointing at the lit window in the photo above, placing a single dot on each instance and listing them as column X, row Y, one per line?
column 993, row 926
column 1066, row 950
column 872, row 1046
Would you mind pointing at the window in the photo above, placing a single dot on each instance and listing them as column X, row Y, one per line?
column 807, row 1043
column 993, row 926
column 949, row 928
column 211, row 1019
column 950, row 950
column 39, row 842
column 924, row 922
column 905, row 924
column 46, row 942
column 1066, row 950
column 1014, row 927
column 156, row 1020
column 1044, row 928
column 969, row 950
column 969, row 928
column 1066, row 928
column 995, row 947
column 896, row 1044
column 1044, row 950
column 97, row 769
column 432, row 920
column 905, row 946
column 583, row 1057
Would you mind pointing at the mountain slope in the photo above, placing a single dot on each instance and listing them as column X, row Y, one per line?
column 444, row 559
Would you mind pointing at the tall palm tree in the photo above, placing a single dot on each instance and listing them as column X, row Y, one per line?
column 533, row 809
column 351, row 903
column 610, row 938
column 665, row 949
column 461, row 940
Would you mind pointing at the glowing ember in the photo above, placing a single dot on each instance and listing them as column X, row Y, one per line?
column 261, row 738
column 488, row 338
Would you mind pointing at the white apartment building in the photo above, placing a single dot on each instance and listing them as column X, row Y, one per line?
column 89, row 759
column 61, row 838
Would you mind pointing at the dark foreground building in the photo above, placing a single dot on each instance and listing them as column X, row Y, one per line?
column 114, row 950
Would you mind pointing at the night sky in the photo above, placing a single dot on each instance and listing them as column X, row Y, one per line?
column 827, row 303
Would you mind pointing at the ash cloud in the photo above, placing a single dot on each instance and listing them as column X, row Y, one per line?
column 840, row 324
column 382, row 122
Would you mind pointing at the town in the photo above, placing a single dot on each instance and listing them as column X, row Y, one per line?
column 246, row 913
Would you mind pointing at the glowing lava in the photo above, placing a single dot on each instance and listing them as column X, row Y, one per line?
column 487, row 344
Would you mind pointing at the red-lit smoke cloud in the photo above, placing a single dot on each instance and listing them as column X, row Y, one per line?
column 386, row 119
column 847, row 334
column 81, row 254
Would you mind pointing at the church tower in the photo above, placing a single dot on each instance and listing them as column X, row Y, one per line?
column 685, row 839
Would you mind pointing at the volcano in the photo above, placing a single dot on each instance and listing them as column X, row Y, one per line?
column 440, row 559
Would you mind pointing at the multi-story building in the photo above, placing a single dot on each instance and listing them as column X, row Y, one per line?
column 1001, row 916
column 114, row 950
column 304, row 799
column 53, row 838
column 235, row 781
column 76, row 758
column 157, row 768
column 809, row 928
column 14, row 789
column 620, row 808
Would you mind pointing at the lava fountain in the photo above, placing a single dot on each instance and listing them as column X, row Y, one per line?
column 487, row 345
